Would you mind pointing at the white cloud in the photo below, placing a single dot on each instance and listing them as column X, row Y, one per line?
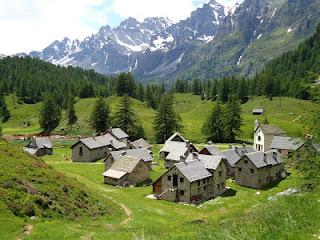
column 140, row 9
column 32, row 25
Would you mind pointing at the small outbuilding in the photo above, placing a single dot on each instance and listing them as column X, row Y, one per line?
column 140, row 143
column 258, row 111
column 286, row 145
column 126, row 172
column 39, row 147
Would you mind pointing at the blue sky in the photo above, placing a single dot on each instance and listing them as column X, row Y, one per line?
column 27, row 25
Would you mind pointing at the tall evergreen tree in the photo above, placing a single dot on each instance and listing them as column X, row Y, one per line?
column 72, row 118
column 4, row 112
column 233, row 119
column 126, row 119
column 214, row 128
column 166, row 120
column 49, row 114
column 100, row 119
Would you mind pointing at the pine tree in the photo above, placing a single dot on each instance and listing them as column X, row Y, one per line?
column 72, row 118
column 49, row 114
column 166, row 120
column 233, row 119
column 4, row 112
column 126, row 119
column 213, row 128
column 100, row 119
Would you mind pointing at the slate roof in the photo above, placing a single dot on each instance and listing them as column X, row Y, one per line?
column 271, row 130
column 101, row 141
column 140, row 153
column 258, row 111
column 175, row 135
column 115, row 174
column 140, row 143
column 32, row 151
column 260, row 159
column 213, row 150
column 193, row 170
column 38, row 143
column 286, row 143
column 208, row 161
column 118, row 133
column 125, row 164
column 234, row 155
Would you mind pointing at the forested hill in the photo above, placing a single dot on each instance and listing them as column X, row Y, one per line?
column 30, row 78
column 295, row 72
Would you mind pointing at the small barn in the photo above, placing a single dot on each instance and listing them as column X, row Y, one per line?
column 198, row 178
column 258, row 111
column 95, row 148
column 258, row 169
column 119, row 134
column 141, row 153
column 39, row 147
column 140, row 143
column 126, row 172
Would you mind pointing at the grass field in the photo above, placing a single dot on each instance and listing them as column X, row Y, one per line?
column 243, row 213
column 285, row 113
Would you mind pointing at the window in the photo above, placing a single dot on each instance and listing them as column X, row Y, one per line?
column 259, row 138
column 239, row 169
column 181, row 192
column 220, row 173
column 181, row 180
column 252, row 170
column 198, row 182
column 218, row 186
column 204, row 188
column 80, row 151
column 203, row 181
column 169, row 178
column 207, row 180
column 245, row 161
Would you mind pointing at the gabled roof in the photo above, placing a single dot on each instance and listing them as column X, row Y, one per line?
column 140, row 153
column 260, row 159
column 208, row 161
column 125, row 164
column 213, row 150
column 271, row 130
column 177, row 137
column 286, row 143
column 101, row 141
column 118, row 133
column 176, row 147
column 39, row 143
column 140, row 143
column 193, row 170
column 258, row 110
column 115, row 174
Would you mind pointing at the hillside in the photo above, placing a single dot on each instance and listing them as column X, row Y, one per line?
column 29, row 187
column 192, row 110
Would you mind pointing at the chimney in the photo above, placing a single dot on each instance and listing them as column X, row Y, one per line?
column 140, row 146
column 230, row 146
column 265, row 157
column 275, row 155
column 79, row 138
column 182, row 158
column 195, row 155
column 94, row 137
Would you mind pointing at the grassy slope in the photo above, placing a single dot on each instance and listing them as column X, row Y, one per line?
column 192, row 110
column 246, row 215
column 29, row 187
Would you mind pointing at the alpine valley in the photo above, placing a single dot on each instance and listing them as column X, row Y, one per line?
column 215, row 41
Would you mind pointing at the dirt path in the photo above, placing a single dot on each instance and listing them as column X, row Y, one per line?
column 129, row 214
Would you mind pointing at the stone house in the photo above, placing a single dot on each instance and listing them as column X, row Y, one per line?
column 39, row 147
column 286, row 145
column 140, row 143
column 141, row 153
column 258, row 169
column 263, row 136
column 95, row 148
column 176, row 149
column 119, row 134
column 198, row 178
column 126, row 172
column 210, row 150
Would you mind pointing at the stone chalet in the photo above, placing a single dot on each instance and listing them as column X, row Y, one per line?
column 263, row 136
column 126, row 172
column 258, row 169
column 232, row 155
column 39, row 147
column 95, row 148
column 141, row 153
column 140, row 143
column 198, row 178
column 120, row 135
column 176, row 149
